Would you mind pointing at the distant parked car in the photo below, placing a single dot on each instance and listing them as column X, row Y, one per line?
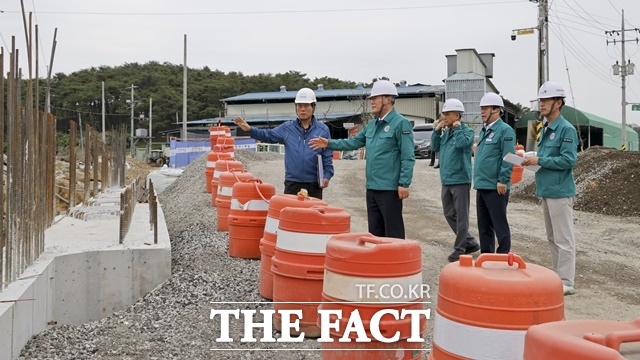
column 422, row 140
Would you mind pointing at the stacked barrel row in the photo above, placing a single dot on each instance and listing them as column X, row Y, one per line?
column 222, row 148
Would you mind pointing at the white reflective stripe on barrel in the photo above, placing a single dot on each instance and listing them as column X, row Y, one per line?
column 216, row 174
column 217, row 133
column 225, row 191
column 302, row 242
column 250, row 205
column 211, row 164
column 271, row 226
column 375, row 290
column 474, row 342
column 232, row 154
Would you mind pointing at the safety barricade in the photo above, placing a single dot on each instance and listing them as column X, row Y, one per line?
column 225, row 191
column 584, row 340
column 374, row 277
column 221, row 166
column 247, row 215
column 492, row 301
column 218, row 131
column 298, row 262
column 268, row 241
column 212, row 158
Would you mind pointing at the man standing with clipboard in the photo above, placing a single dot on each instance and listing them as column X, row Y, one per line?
column 300, row 162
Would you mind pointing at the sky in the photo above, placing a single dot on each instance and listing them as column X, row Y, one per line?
column 353, row 40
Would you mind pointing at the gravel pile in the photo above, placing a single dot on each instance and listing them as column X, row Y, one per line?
column 602, row 178
column 173, row 320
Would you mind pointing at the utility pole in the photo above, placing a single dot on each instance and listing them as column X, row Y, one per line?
column 543, row 63
column 623, row 70
column 132, row 106
column 543, row 42
column 184, row 92
column 104, row 139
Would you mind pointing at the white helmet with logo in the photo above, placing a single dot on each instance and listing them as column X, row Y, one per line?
column 453, row 105
column 305, row 96
column 551, row 89
column 383, row 87
column 492, row 99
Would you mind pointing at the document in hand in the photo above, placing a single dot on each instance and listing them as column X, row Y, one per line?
column 517, row 160
column 320, row 169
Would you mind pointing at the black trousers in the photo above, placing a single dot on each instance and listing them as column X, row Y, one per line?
column 384, row 213
column 492, row 221
column 293, row 188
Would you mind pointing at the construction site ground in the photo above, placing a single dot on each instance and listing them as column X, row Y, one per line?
column 173, row 320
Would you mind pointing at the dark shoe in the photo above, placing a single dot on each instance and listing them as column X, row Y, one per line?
column 437, row 166
column 430, row 164
column 455, row 256
column 472, row 248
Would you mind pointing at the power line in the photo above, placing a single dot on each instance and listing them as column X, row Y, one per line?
column 594, row 19
column 577, row 16
column 594, row 15
column 273, row 11
column 587, row 52
column 578, row 29
column 588, row 67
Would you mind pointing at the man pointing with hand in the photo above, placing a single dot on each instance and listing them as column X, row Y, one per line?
column 388, row 140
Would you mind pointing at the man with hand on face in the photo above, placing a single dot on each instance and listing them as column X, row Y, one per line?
column 454, row 141
column 492, row 176
column 300, row 162
column 390, row 159
column 556, row 156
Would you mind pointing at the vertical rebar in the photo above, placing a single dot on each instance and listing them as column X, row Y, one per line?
column 94, row 161
column 87, row 160
column 3, row 241
column 72, row 164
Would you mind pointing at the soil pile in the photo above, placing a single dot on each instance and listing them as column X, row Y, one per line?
column 606, row 182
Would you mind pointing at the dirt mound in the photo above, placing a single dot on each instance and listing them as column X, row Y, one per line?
column 606, row 181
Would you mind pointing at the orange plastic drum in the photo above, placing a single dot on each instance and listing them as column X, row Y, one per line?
column 218, row 131
column 584, row 340
column 222, row 166
column 225, row 191
column 268, row 241
column 369, row 274
column 212, row 158
column 247, row 215
column 298, row 262
column 491, row 303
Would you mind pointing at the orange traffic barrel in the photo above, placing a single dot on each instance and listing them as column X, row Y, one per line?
column 218, row 131
column 493, row 301
column 225, row 191
column 298, row 262
column 212, row 157
column 268, row 241
column 584, row 340
column 222, row 165
column 372, row 277
column 516, row 175
column 247, row 215
column 225, row 148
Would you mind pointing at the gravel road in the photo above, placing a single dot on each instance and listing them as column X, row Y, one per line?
column 173, row 320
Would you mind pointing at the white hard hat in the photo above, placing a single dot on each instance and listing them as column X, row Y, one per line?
column 453, row 105
column 491, row 99
column 551, row 89
column 305, row 96
column 383, row 87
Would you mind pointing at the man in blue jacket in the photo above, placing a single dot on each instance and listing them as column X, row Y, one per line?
column 557, row 154
column 492, row 176
column 300, row 161
column 455, row 144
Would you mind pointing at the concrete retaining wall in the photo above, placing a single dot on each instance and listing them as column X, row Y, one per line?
column 83, row 275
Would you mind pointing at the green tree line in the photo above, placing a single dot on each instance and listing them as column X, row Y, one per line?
column 79, row 94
